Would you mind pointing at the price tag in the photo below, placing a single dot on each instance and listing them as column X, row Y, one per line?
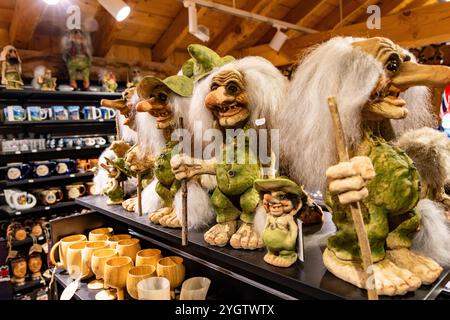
column 101, row 120
column 72, row 175
column 58, row 149
column 97, row 146
column 77, row 148
column 30, row 180
column 300, row 244
column 33, row 151
column 18, row 152
column 47, row 208
column 18, row 213
column 41, row 238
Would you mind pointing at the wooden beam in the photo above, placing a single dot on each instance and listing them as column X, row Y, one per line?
column 356, row 14
column 174, row 34
column 108, row 27
column 27, row 14
column 246, row 28
column 409, row 28
column 235, row 21
column 393, row 6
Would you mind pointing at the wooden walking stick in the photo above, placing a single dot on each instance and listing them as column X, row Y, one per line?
column 184, row 194
column 139, row 192
column 355, row 208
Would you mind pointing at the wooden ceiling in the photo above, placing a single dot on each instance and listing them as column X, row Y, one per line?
column 155, row 35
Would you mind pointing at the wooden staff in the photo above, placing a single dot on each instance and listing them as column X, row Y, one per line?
column 139, row 192
column 184, row 193
column 355, row 208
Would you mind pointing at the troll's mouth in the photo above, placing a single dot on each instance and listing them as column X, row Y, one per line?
column 387, row 104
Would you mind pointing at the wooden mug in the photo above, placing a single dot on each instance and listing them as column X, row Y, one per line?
column 173, row 269
column 98, row 260
column 113, row 240
column 148, row 257
column 77, row 267
column 100, row 234
column 92, row 246
column 137, row 274
column 129, row 248
column 115, row 273
column 63, row 244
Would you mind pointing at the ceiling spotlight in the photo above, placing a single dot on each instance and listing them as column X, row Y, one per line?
column 278, row 39
column 51, row 2
column 117, row 8
column 200, row 31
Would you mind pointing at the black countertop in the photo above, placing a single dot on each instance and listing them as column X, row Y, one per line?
column 303, row 280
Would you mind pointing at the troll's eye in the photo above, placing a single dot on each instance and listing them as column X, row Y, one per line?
column 393, row 64
column 162, row 97
column 232, row 88
column 214, row 86
column 282, row 196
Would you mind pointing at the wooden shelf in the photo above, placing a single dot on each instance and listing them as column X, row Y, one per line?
column 302, row 280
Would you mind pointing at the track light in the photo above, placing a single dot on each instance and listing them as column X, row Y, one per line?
column 51, row 2
column 278, row 39
column 117, row 8
column 200, row 31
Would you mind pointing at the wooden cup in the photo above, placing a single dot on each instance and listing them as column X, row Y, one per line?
column 148, row 257
column 129, row 248
column 76, row 266
column 195, row 288
column 63, row 244
column 173, row 269
column 115, row 273
column 137, row 274
column 154, row 288
column 98, row 261
column 113, row 240
column 89, row 249
column 100, row 234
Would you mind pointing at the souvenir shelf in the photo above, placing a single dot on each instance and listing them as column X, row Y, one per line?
column 308, row 280
column 12, row 213
column 45, row 181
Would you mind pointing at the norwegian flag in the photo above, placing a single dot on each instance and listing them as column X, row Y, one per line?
column 445, row 102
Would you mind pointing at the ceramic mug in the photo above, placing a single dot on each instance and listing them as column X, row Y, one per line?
column 89, row 142
column 75, row 191
column 63, row 244
column 91, row 113
column 100, row 234
column 93, row 162
column 60, row 113
column 17, row 170
column 36, row 113
column 15, row 113
column 43, row 169
column 108, row 113
column 74, row 112
column 19, row 200
column 129, row 248
column 50, row 196
column 90, row 188
column 77, row 267
column 83, row 166
column 100, row 141
column 65, row 166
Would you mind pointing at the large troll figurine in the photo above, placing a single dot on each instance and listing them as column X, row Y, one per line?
column 11, row 68
column 233, row 97
column 77, row 54
column 367, row 78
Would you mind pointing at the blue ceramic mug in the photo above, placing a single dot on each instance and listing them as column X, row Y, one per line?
column 74, row 112
column 43, row 169
column 60, row 113
column 15, row 113
column 36, row 113
column 108, row 113
column 91, row 113
column 65, row 166
column 17, row 171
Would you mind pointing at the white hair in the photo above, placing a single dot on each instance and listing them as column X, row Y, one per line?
column 265, row 85
column 307, row 138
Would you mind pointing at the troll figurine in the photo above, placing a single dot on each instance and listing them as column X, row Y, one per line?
column 43, row 79
column 109, row 81
column 77, row 54
column 11, row 68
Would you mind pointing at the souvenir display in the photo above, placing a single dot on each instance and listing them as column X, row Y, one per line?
column 77, row 54
column 379, row 172
column 43, row 79
column 11, row 68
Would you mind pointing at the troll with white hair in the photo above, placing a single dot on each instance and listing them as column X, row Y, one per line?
column 377, row 86
column 234, row 97
column 163, row 103
column 11, row 68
